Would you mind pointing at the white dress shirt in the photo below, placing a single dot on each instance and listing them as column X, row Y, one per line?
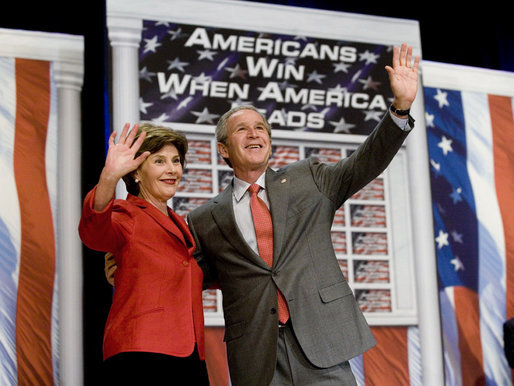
column 242, row 211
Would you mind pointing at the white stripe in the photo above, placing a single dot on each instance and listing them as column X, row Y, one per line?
column 10, row 231
column 414, row 352
column 491, row 242
column 452, row 359
column 51, row 182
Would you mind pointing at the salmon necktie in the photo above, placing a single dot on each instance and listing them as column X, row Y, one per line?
column 264, row 233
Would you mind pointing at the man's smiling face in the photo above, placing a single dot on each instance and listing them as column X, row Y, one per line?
column 248, row 144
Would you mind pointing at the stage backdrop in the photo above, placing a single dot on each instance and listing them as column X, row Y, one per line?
column 319, row 78
column 39, row 332
column 470, row 131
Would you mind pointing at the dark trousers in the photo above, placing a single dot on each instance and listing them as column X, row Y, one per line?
column 142, row 368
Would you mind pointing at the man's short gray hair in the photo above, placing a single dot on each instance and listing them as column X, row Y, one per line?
column 222, row 128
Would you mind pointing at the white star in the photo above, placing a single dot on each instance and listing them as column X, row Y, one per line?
column 176, row 63
column 455, row 195
column 457, row 263
column 338, row 89
column 206, row 54
column 368, row 57
column 429, row 119
column 204, row 116
column 371, row 114
column 314, row 76
column 164, row 23
column 285, row 84
column 341, row 67
column 145, row 74
column 445, row 145
column 162, row 118
column 342, row 126
column 370, row 83
column 239, row 102
column 441, row 97
column 442, row 239
column 236, row 71
column 457, row 237
column 143, row 105
column 176, row 34
column 151, row 44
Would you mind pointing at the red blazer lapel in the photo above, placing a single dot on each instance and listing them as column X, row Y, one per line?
column 182, row 226
column 173, row 224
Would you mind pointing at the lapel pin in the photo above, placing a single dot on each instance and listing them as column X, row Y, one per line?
column 283, row 180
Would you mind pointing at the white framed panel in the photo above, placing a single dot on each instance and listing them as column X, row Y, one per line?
column 128, row 17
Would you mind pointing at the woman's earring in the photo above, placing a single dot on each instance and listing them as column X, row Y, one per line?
column 136, row 180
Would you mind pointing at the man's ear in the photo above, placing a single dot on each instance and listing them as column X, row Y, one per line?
column 222, row 149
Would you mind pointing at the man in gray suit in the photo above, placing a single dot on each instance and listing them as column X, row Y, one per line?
column 324, row 326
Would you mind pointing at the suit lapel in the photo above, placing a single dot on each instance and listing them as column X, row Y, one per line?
column 277, row 185
column 223, row 214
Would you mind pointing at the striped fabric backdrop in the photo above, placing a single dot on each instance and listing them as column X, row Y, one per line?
column 394, row 361
column 28, row 150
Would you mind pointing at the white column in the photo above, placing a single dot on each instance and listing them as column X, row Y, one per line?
column 424, row 250
column 124, row 36
column 69, row 78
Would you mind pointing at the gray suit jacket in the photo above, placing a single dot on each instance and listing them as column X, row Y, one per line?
column 325, row 317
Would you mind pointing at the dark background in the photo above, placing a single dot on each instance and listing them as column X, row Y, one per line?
column 472, row 36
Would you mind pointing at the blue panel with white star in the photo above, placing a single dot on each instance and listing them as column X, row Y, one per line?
column 164, row 59
column 455, row 222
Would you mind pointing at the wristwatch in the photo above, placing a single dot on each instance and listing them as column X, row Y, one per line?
column 399, row 112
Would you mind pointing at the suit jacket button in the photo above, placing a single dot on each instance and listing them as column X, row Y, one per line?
column 273, row 311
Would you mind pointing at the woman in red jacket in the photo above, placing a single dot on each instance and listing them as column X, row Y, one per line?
column 155, row 330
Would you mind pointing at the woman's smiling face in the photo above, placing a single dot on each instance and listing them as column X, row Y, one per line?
column 159, row 175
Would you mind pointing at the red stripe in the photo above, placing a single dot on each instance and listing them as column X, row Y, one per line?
column 503, row 132
column 388, row 362
column 470, row 345
column 502, row 121
column 37, row 255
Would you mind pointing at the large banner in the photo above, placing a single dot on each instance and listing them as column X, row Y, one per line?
column 470, row 136
column 28, row 175
column 193, row 74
